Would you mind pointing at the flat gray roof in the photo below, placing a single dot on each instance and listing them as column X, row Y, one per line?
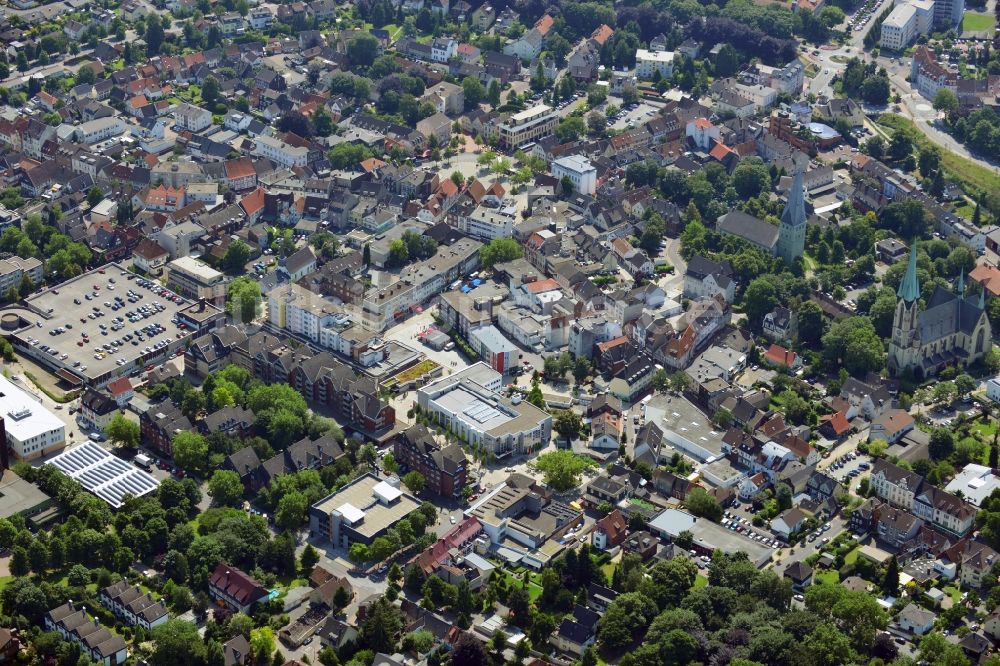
column 57, row 307
column 19, row 496
column 360, row 497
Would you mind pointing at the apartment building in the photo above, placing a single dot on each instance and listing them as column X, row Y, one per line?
column 192, row 118
column 487, row 223
column 444, row 467
column 194, row 279
column 361, row 511
column 234, row 589
column 910, row 491
column 283, row 153
column 647, row 63
column 92, row 131
column 14, row 269
column 527, row 126
column 579, row 171
column 418, row 282
column 301, row 312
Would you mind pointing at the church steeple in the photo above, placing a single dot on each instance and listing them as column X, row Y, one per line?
column 794, row 213
column 961, row 284
column 792, row 230
column 982, row 299
column 909, row 288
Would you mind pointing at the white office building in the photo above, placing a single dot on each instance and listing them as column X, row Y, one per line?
column 907, row 22
column 32, row 430
column 527, row 126
column 649, row 62
column 579, row 171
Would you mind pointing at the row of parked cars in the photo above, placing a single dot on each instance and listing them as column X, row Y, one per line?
column 743, row 526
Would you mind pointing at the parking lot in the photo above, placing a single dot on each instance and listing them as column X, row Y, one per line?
column 634, row 116
column 849, row 468
column 103, row 324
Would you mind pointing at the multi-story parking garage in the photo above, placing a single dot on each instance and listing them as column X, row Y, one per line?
column 104, row 324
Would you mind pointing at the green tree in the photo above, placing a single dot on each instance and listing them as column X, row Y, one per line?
column 177, row 642
column 570, row 129
column 210, row 91
column 381, row 626
column 398, row 253
column 190, row 451
column 237, row 255
column 122, row 432
column 700, row 503
column 561, row 469
column 415, row 481
column 942, row 444
column 226, row 488
column 474, row 92
column 854, row 343
column 498, row 251
column 154, row 36
column 358, row 553
column 890, row 582
column 760, row 297
column 945, row 100
column 243, row 299
column 568, row 424
column 262, row 643
column 751, row 178
column 362, row 50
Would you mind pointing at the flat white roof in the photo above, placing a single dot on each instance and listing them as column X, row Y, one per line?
column 529, row 114
column 654, row 56
column 576, row 163
column 350, row 512
column 198, row 269
column 25, row 416
column 386, row 491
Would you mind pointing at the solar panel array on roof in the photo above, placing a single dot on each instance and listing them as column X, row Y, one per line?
column 481, row 412
column 103, row 474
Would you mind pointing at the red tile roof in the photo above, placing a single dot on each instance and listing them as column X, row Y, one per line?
column 602, row 33
column 236, row 584
column 781, row 356
column 720, row 151
column 541, row 286
column 120, row 386
column 253, row 202
column 837, row 422
column 987, row 276
column 241, row 168
column 544, row 24
column 614, row 526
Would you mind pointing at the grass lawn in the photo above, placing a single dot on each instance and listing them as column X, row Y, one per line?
column 4, row 581
column 977, row 22
column 534, row 590
column 700, row 581
column 852, row 556
column 953, row 592
column 955, row 166
column 811, row 69
column 830, row 577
